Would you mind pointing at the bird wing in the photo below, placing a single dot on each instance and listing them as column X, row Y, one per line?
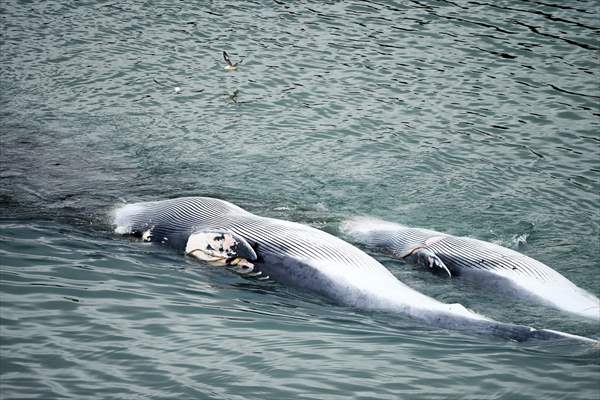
column 226, row 57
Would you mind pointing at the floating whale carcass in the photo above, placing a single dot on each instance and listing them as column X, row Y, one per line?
column 480, row 261
column 297, row 255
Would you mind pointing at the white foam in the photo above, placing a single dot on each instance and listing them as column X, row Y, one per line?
column 122, row 217
column 364, row 225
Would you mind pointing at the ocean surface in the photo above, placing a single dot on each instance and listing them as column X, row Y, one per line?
column 474, row 118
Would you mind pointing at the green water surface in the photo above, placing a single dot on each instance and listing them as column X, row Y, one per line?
column 473, row 118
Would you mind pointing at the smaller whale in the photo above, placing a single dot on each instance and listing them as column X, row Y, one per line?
column 230, row 66
column 487, row 263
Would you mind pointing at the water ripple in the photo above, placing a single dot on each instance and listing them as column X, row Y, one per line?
column 475, row 118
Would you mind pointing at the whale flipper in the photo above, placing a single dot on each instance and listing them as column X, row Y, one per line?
column 426, row 257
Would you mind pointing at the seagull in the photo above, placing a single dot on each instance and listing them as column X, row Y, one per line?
column 234, row 95
column 230, row 66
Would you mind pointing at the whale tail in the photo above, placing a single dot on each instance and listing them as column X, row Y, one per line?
column 459, row 318
column 523, row 333
column 456, row 317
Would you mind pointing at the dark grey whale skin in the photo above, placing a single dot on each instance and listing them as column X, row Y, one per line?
column 276, row 263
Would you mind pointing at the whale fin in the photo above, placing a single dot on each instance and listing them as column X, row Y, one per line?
column 220, row 246
column 418, row 252
column 426, row 257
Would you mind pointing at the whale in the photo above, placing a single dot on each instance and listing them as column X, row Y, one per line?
column 490, row 265
column 219, row 233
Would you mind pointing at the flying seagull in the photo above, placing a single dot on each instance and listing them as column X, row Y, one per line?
column 230, row 66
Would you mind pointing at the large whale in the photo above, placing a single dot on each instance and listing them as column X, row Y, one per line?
column 219, row 232
column 492, row 265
